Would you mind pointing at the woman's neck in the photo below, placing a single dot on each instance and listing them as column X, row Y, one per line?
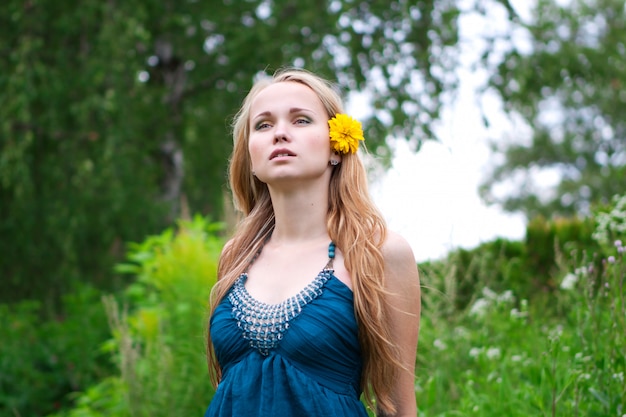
column 300, row 215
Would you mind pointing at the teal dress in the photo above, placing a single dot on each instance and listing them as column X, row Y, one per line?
column 298, row 358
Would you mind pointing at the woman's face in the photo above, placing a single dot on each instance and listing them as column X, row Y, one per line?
column 289, row 140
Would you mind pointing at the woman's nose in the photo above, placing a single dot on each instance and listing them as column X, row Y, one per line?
column 281, row 134
column 280, row 137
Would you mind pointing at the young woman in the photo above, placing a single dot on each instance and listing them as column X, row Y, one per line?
column 316, row 302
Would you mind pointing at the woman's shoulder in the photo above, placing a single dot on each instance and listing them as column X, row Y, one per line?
column 400, row 265
column 396, row 248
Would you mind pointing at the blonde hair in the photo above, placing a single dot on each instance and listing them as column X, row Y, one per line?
column 353, row 223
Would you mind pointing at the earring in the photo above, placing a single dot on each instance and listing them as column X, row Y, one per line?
column 253, row 173
column 333, row 162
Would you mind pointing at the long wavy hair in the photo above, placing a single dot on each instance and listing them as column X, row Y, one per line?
column 353, row 222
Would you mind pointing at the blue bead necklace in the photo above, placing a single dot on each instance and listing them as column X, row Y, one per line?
column 262, row 324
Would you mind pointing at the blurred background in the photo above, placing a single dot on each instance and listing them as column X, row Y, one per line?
column 497, row 147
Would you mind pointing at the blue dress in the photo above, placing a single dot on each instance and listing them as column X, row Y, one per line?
column 298, row 358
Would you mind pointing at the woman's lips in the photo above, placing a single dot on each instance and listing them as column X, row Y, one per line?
column 279, row 153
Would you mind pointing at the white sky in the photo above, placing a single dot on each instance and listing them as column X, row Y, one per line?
column 431, row 197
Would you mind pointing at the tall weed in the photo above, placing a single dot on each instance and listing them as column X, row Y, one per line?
column 159, row 328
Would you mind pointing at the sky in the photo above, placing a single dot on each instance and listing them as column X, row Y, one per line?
column 431, row 197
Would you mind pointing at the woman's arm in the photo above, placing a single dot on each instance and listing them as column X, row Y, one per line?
column 402, row 283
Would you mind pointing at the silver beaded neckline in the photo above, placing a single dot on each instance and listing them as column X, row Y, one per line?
column 264, row 325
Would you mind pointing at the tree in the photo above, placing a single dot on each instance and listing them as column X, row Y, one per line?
column 565, row 77
column 112, row 113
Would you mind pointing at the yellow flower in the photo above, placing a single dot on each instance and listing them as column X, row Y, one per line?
column 345, row 134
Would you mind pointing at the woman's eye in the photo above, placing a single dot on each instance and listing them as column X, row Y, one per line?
column 302, row 121
column 261, row 126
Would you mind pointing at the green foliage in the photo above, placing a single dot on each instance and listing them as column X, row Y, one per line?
column 564, row 75
column 549, row 243
column 113, row 114
column 105, row 399
column 42, row 360
column 505, row 356
column 71, row 111
column 159, row 336
column 611, row 221
column 530, row 268
column 498, row 264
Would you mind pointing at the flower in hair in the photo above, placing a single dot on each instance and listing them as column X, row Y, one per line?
column 345, row 134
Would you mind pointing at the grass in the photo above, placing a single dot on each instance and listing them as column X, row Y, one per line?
column 561, row 354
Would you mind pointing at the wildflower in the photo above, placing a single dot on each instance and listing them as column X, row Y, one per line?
column 619, row 376
column 439, row 344
column 516, row 314
column 569, row 281
column 489, row 294
column 475, row 352
column 493, row 353
column 516, row 358
column 618, row 243
column 345, row 134
column 613, row 222
column 506, row 296
column 556, row 333
column 611, row 259
column 461, row 332
column 479, row 308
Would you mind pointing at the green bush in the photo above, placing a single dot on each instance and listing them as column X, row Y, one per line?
column 506, row 356
column 549, row 242
column 159, row 328
column 530, row 268
column 611, row 222
column 495, row 264
column 41, row 361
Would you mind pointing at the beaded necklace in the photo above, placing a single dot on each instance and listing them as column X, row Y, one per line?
column 262, row 324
